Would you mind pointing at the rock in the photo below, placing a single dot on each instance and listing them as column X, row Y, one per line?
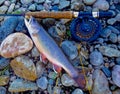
column 57, row 90
column 3, row 10
column 11, row 8
column 89, row 2
column 4, row 80
column 20, row 10
column 67, row 80
column 113, row 37
column 118, row 39
column 102, row 5
column 39, row 1
column 10, row 23
column 32, row 7
column 64, row 4
column 118, row 60
column 111, row 21
column 100, row 85
column 2, row 1
column 77, row 91
column 116, row 75
column 20, row 85
column 52, row 75
column 56, row 2
column 114, row 30
column 26, row 1
column 105, row 32
column 15, row 44
column 39, row 7
column 118, row 17
column 106, row 71
column 70, row 49
column 7, row 3
column 108, row 51
column 24, row 67
column 35, row 52
column 55, row 8
column 116, row 91
column 40, row 68
column 42, row 83
column 3, row 90
column 48, row 22
column 96, row 58
column 4, row 62
column 77, row 6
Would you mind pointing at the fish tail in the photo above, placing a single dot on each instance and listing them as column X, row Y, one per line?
column 80, row 80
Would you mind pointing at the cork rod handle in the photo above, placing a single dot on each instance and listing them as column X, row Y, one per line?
column 46, row 14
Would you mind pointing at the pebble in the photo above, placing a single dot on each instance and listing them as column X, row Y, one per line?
column 67, row 80
column 89, row 2
column 70, row 49
column 32, row 7
column 118, row 17
column 116, row 75
column 64, row 4
column 7, row 3
column 39, row 7
column 111, row 21
column 11, row 8
column 102, row 5
column 114, row 30
column 77, row 91
column 3, row 10
column 105, row 32
column 118, row 60
column 118, row 39
column 108, row 51
column 96, row 58
column 10, row 23
column 56, row 2
column 26, row 1
column 2, row 1
column 42, row 83
column 35, row 52
column 20, row 85
column 14, row 45
column 106, row 71
column 77, row 6
column 100, row 85
column 39, row 1
column 113, row 37
column 4, row 62
column 24, row 67
column 57, row 90
column 4, row 80
column 3, row 90
column 52, row 75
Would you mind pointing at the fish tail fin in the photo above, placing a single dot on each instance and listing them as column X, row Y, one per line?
column 80, row 80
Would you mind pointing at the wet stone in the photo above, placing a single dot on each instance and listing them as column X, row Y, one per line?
column 52, row 75
column 14, row 45
column 113, row 38
column 96, row 58
column 64, row 4
column 111, row 21
column 77, row 5
column 42, row 83
column 24, row 67
column 89, row 2
column 116, row 75
column 70, row 49
column 32, row 7
column 4, row 62
column 106, row 71
column 39, row 1
column 20, row 85
column 39, row 7
column 77, row 91
column 3, row 90
column 105, row 32
column 118, row 60
column 57, row 90
column 4, row 80
column 2, row 1
column 118, row 39
column 35, row 52
column 26, row 1
column 113, row 29
column 67, row 80
column 108, row 51
column 11, row 8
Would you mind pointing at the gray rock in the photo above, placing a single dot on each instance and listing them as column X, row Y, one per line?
column 56, row 2
column 77, row 6
column 11, row 8
column 42, row 83
column 100, row 85
column 4, row 62
column 118, row 60
column 8, row 27
column 35, row 52
column 39, row 7
column 113, row 29
column 111, row 21
column 64, row 4
column 116, row 75
column 3, row 9
column 118, row 39
column 117, row 17
column 69, row 49
column 89, row 2
column 20, row 85
column 39, row 1
column 57, row 90
column 2, row 1
column 7, row 3
column 67, row 80
column 32, row 7
column 108, row 51
column 77, row 91
column 26, row 1
column 105, row 32
column 113, row 38
column 96, row 58
column 3, row 90
column 102, row 5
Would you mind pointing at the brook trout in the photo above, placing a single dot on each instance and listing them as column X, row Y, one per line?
column 48, row 47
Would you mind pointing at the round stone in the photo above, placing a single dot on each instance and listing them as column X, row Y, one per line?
column 77, row 91
column 96, row 58
column 113, row 38
column 89, row 2
column 15, row 44
column 3, row 90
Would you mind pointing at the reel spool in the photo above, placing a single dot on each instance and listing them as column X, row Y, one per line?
column 85, row 28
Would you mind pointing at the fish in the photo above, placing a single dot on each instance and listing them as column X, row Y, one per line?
column 47, row 46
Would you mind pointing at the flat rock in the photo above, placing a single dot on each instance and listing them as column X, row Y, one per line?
column 100, row 85
column 116, row 75
column 15, row 44
column 4, row 80
column 20, row 85
column 108, row 51
column 24, row 67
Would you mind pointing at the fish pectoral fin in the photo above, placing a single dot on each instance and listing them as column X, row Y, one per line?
column 57, row 68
